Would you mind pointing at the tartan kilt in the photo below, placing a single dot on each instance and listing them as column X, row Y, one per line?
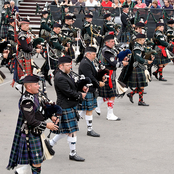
column 106, row 91
column 71, row 52
column 161, row 60
column 89, row 103
column 27, row 67
column 4, row 31
column 53, row 64
column 137, row 78
column 68, row 122
column 36, row 152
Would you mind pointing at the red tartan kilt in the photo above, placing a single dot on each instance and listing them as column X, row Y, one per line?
column 27, row 67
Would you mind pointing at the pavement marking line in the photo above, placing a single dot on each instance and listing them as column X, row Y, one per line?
column 5, row 83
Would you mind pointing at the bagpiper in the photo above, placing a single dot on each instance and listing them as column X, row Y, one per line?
column 27, row 147
column 109, row 25
column 161, row 45
column 44, row 28
column 56, row 45
column 10, row 38
column 87, row 69
column 108, row 93
column 25, row 51
column 68, row 35
column 5, row 16
column 138, row 78
column 88, row 32
column 68, row 98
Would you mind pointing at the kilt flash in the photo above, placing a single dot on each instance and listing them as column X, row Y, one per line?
column 36, row 153
column 89, row 103
column 106, row 91
column 137, row 78
column 68, row 122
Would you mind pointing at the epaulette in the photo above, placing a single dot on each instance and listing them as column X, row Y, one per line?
column 138, row 47
column 87, row 25
column 158, row 33
column 28, row 97
column 65, row 28
column 22, row 35
column 170, row 30
column 106, row 49
column 43, row 20
column 110, row 23
column 54, row 36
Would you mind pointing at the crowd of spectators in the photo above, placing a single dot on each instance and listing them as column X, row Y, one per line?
column 167, row 4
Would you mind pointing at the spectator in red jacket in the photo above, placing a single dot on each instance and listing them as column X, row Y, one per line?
column 106, row 3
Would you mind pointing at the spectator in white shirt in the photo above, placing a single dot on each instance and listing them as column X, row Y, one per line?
column 91, row 3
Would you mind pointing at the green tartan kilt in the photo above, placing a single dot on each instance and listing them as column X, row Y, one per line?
column 35, row 156
column 161, row 60
column 53, row 63
column 106, row 91
column 71, row 52
column 4, row 31
column 137, row 78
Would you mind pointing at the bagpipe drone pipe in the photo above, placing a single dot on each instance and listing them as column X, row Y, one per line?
column 102, row 72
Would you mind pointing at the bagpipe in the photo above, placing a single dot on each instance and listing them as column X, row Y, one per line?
column 101, row 69
column 150, row 13
column 64, row 39
column 80, row 80
column 129, row 26
column 148, row 52
column 50, row 109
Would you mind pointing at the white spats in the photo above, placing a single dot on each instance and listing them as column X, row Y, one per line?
column 110, row 114
column 23, row 170
column 72, row 145
column 89, row 121
column 82, row 114
column 56, row 138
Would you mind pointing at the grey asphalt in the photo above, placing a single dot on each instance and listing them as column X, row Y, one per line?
column 141, row 143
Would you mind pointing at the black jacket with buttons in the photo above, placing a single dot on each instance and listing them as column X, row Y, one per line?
column 66, row 90
column 88, row 70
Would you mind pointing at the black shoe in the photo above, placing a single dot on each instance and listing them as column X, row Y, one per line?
column 130, row 97
column 144, row 92
column 49, row 147
column 118, row 119
column 155, row 74
column 76, row 158
column 92, row 133
column 162, row 79
column 98, row 113
column 141, row 103
column 16, row 172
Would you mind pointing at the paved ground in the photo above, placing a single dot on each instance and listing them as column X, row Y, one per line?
column 141, row 143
